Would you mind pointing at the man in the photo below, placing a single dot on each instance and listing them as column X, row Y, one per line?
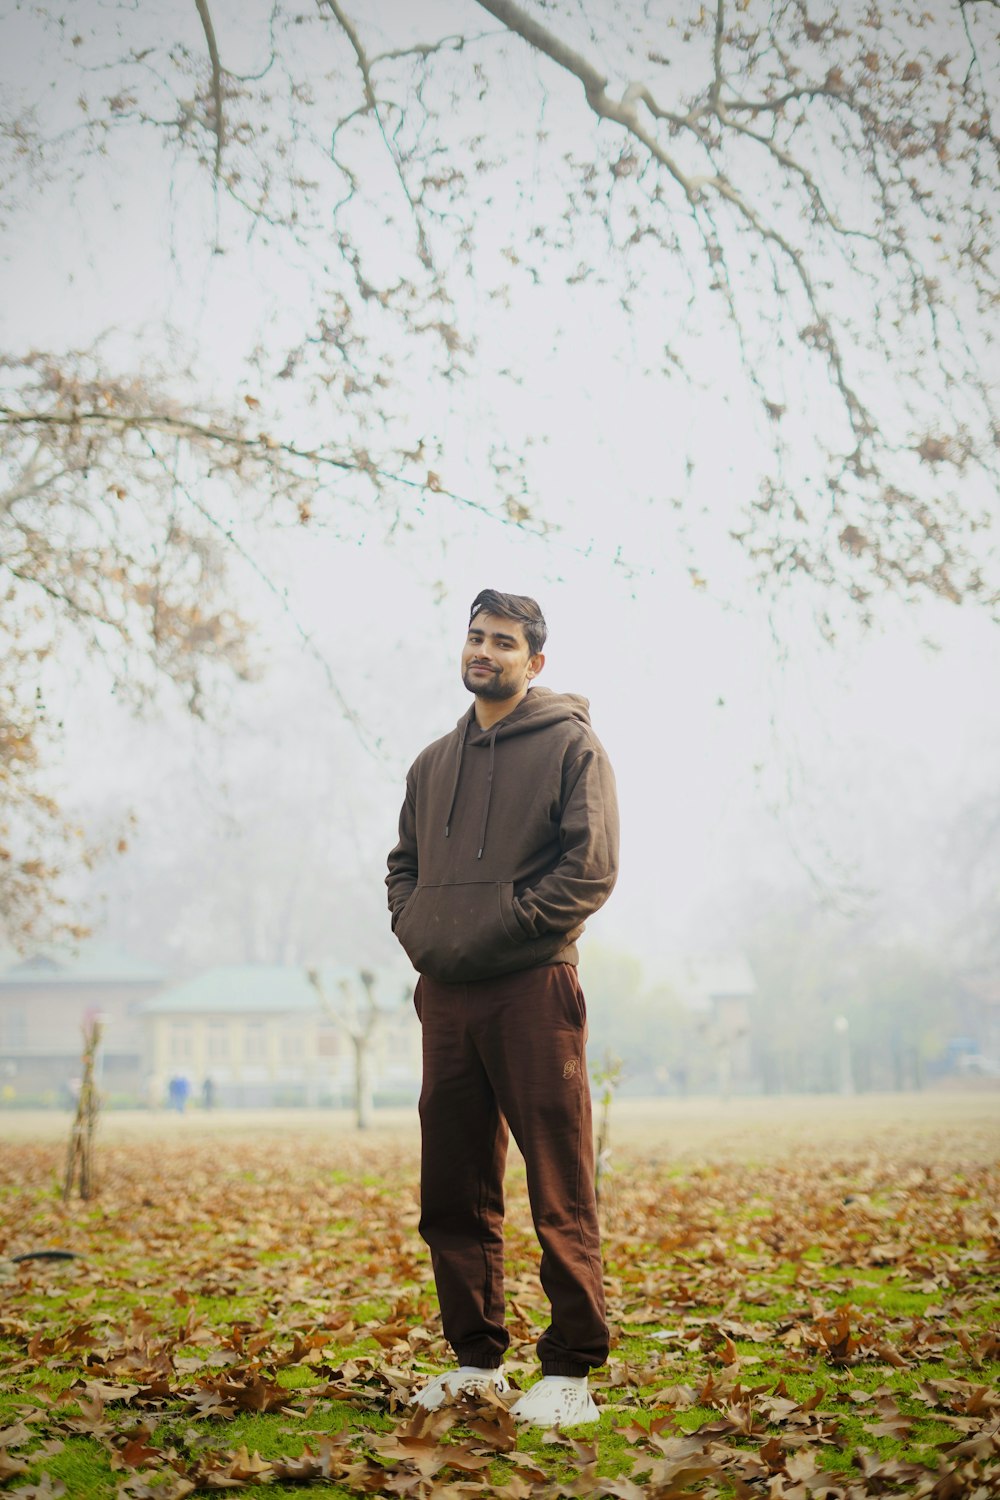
column 508, row 841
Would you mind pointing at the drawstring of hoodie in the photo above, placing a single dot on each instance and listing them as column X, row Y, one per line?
column 489, row 794
column 489, row 787
column 458, row 775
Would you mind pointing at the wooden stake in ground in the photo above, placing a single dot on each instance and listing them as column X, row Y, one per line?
column 80, row 1160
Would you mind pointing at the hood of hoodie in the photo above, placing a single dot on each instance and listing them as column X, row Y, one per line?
column 539, row 709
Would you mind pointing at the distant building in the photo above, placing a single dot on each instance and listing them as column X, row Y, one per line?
column 257, row 1034
column 260, row 1035
column 44, row 1001
column 719, row 990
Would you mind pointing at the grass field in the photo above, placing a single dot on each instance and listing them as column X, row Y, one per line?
column 804, row 1296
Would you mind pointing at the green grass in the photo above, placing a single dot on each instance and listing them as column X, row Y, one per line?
column 276, row 1250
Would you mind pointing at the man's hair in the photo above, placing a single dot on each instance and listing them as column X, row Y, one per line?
column 513, row 607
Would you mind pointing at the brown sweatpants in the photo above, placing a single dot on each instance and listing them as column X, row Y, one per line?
column 498, row 1051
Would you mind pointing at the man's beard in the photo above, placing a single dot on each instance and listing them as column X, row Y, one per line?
column 493, row 686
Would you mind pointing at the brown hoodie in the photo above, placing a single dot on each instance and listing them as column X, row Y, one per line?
column 508, row 841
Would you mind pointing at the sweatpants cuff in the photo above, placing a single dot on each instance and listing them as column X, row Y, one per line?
column 564, row 1367
column 478, row 1357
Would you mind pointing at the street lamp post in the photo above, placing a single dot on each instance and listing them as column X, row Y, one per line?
column 842, row 1027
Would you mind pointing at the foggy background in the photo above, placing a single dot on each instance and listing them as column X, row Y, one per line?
column 818, row 803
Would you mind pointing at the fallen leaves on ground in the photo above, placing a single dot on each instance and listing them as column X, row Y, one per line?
column 255, row 1314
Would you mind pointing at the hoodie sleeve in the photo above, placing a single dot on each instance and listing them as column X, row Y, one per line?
column 585, row 875
column 402, row 877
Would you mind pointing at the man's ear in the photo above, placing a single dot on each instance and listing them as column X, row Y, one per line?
column 535, row 664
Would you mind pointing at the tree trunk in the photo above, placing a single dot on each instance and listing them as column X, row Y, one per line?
column 362, row 1082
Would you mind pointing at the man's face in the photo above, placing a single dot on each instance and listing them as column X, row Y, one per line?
column 496, row 660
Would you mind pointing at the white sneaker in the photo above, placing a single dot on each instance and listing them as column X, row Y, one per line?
column 556, row 1401
column 466, row 1380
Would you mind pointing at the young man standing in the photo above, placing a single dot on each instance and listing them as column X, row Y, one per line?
column 508, row 841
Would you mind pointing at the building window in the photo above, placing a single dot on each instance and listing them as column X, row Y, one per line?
column 255, row 1042
column 13, row 1028
column 292, row 1046
column 182, row 1041
column 218, row 1041
column 328, row 1043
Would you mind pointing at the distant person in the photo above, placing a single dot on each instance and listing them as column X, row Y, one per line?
column 508, row 841
column 208, row 1094
column 178, row 1090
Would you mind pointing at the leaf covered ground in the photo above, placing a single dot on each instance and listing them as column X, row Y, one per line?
column 251, row 1313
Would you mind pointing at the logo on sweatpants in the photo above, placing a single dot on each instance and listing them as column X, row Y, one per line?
column 570, row 1066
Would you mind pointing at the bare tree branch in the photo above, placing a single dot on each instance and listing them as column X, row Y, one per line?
column 371, row 99
column 595, row 86
column 218, row 122
column 261, row 447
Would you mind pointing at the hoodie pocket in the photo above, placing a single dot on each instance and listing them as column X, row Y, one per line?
column 458, row 933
